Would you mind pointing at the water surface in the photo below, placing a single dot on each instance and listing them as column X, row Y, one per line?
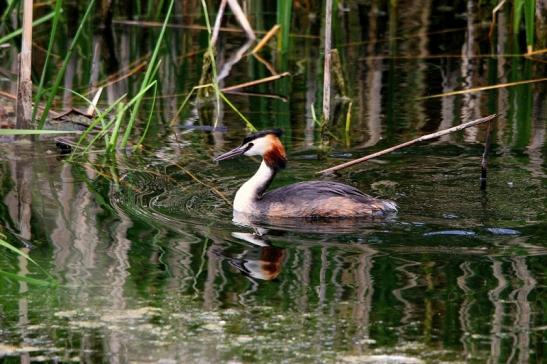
column 151, row 267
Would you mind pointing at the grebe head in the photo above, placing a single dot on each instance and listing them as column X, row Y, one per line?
column 264, row 143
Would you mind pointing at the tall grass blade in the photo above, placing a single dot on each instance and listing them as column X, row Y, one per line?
column 517, row 15
column 8, row 246
column 211, row 54
column 61, row 73
column 149, row 115
column 146, row 81
column 529, row 23
column 250, row 126
column 98, row 120
column 18, row 32
column 40, row 90
column 115, row 132
column 9, row 9
column 284, row 13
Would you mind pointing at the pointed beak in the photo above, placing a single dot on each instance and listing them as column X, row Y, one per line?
column 231, row 154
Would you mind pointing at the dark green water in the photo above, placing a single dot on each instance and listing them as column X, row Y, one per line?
column 152, row 269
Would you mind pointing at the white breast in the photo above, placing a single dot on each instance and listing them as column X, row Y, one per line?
column 248, row 193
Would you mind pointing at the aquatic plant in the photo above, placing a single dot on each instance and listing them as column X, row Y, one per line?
column 16, row 251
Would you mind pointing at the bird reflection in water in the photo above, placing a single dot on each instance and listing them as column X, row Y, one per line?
column 259, row 260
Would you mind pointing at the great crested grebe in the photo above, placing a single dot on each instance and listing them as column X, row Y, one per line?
column 304, row 199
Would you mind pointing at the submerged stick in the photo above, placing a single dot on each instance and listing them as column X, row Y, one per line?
column 24, row 87
column 411, row 142
column 326, row 66
column 484, row 160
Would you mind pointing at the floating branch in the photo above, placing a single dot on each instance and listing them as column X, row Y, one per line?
column 411, row 142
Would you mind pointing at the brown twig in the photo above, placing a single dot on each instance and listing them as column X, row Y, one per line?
column 411, row 142
column 266, row 64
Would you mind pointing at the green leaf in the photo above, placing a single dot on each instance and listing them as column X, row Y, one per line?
column 13, row 249
column 8, row 246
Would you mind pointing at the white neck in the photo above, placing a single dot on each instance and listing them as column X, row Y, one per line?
column 253, row 189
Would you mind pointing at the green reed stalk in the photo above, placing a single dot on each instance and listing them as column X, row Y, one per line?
column 152, row 69
column 88, row 101
column 211, row 54
column 218, row 93
column 149, row 115
column 111, row 145
column 98, row 120
column 11, row 5
column 247, row 122
column 61, row 72
column 529, row 22
column 56, row 16
column 18, row 32
column 284, row 15
column 106, row 127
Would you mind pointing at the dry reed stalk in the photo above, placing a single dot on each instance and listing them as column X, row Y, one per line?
column 93, row 107
column 484, row 88
column 218, row 21
column 409, row 143
column 266, row 38
column 24, row 86
column 266, row 64
column 326, row 66
column 241, row 18
column 201, row 27
column 255, row 82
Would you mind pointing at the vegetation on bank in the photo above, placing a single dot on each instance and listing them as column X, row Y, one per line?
column 116, row 125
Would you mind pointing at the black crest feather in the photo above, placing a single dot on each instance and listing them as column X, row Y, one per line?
column 260, row 134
